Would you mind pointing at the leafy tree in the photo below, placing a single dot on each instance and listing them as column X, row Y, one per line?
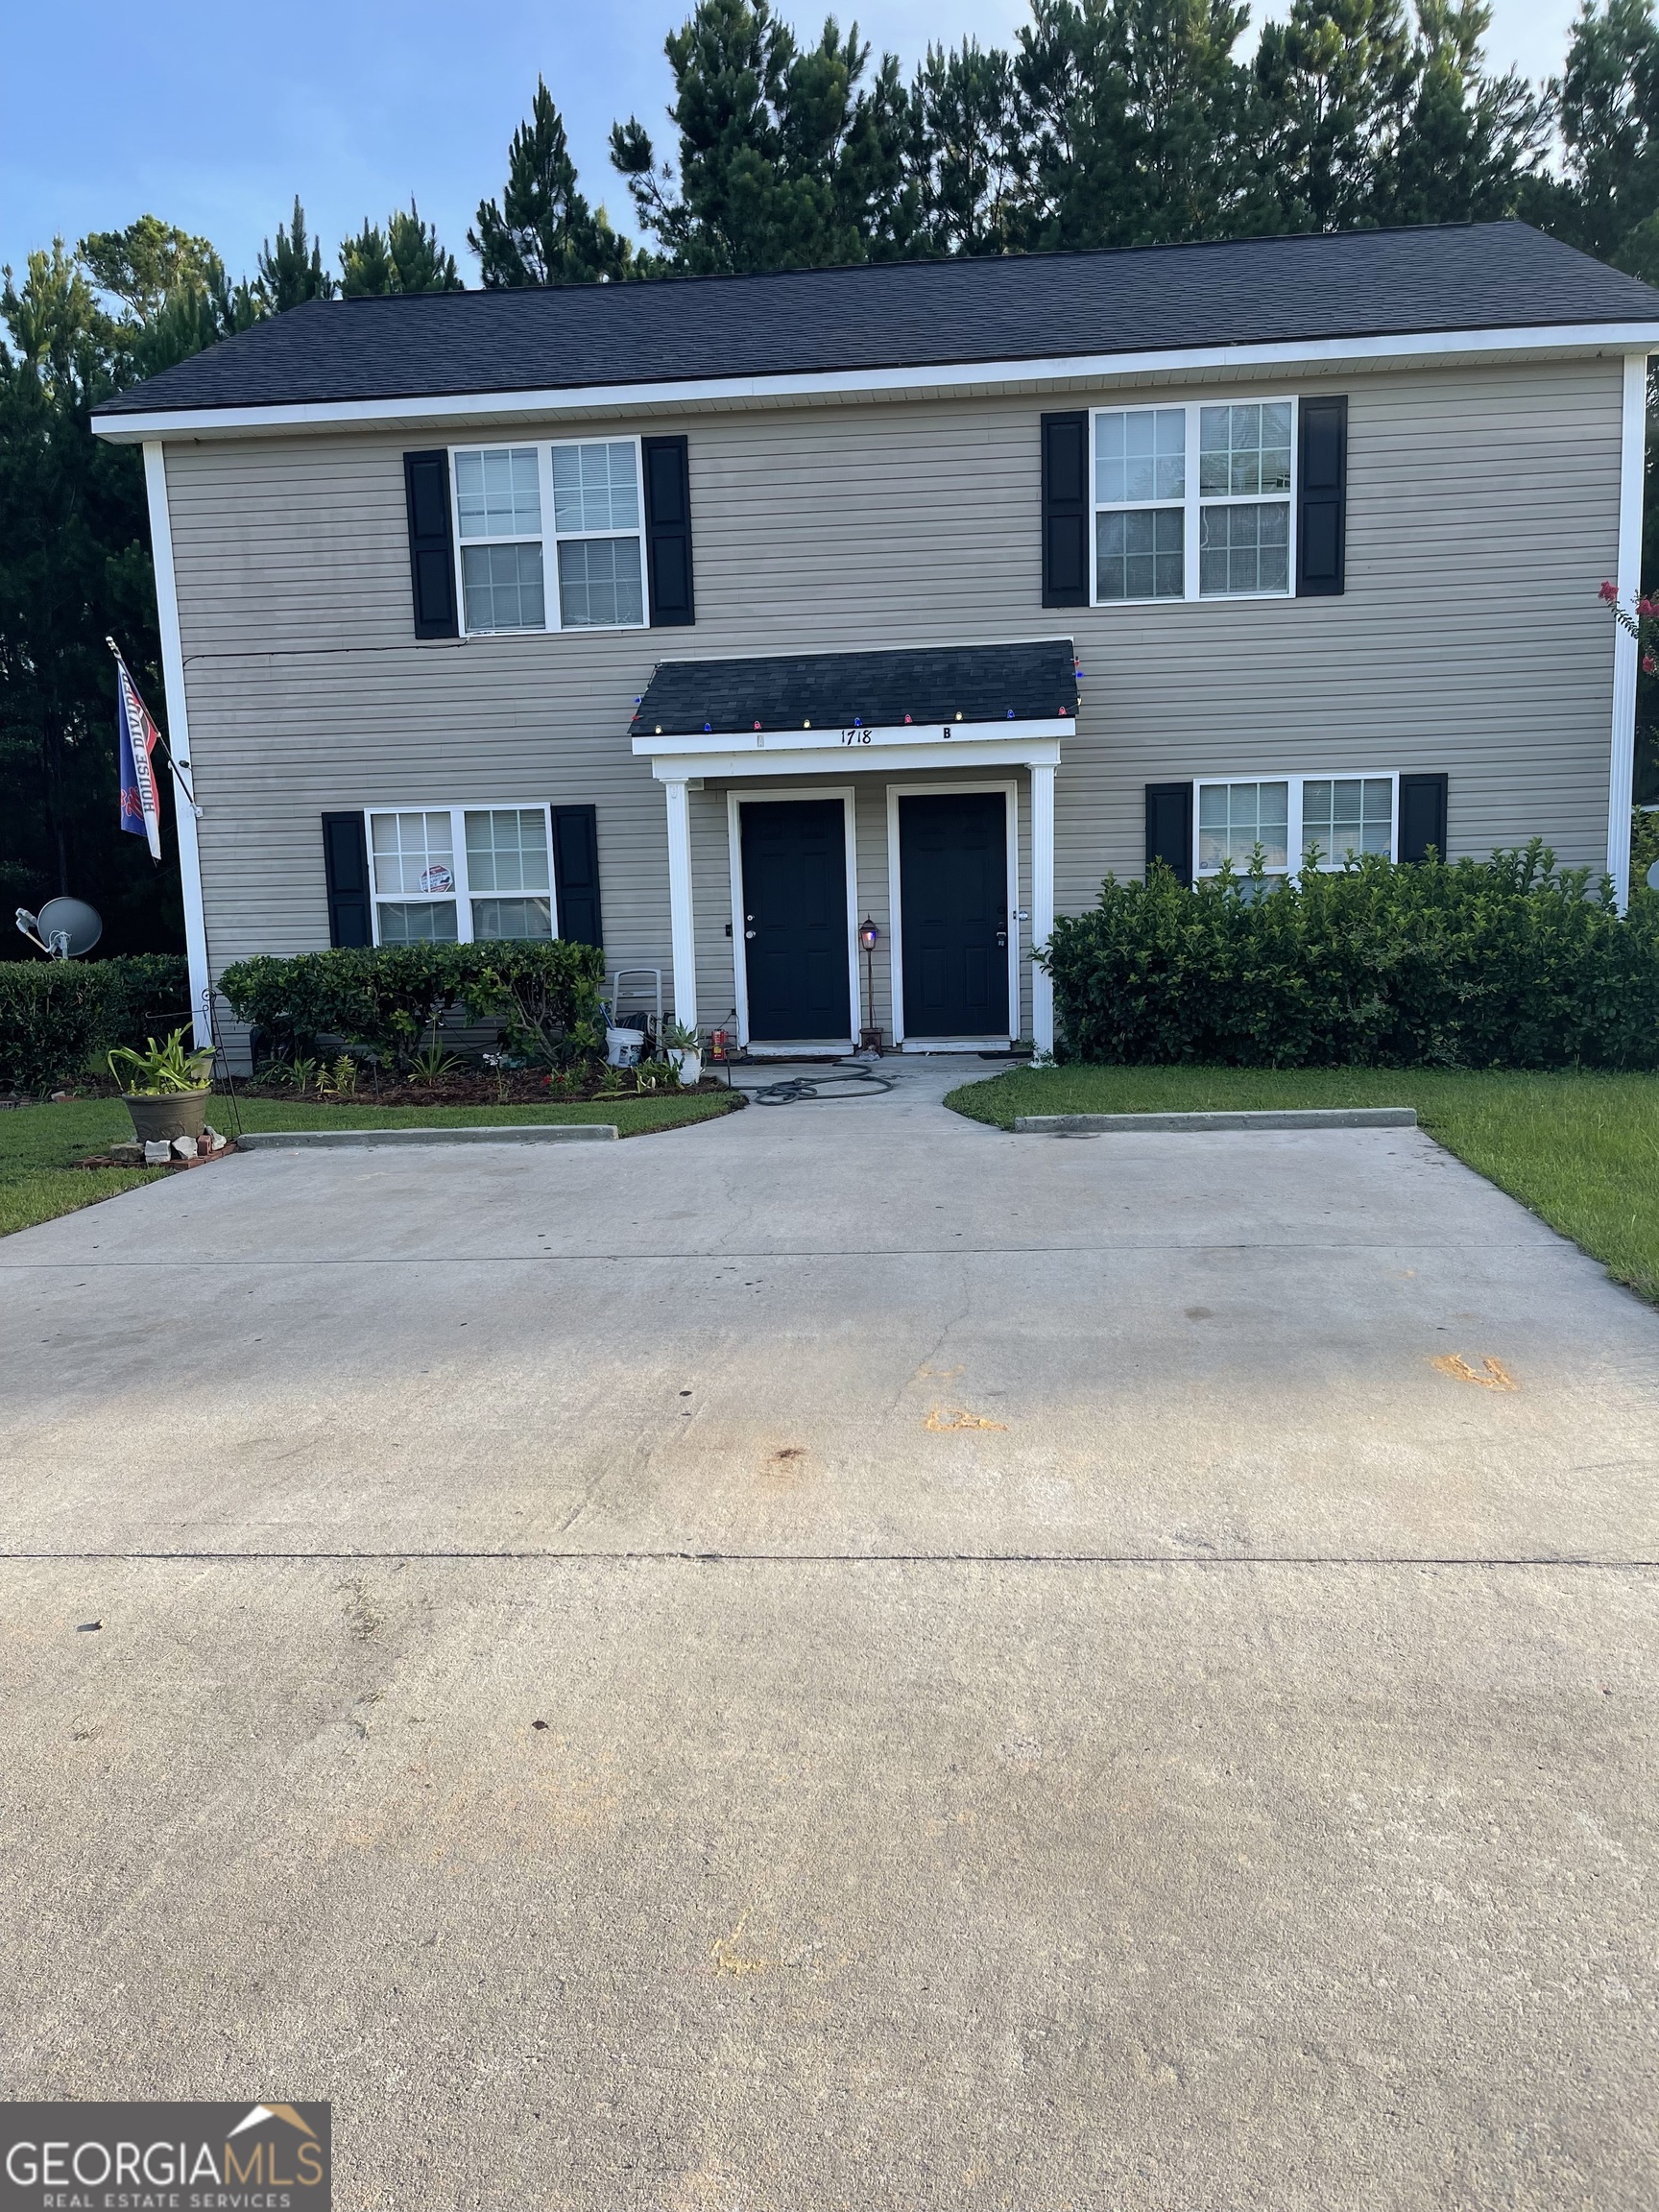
column 292, row 271
column 785, row 163
column 542, row 231
column 406, row 256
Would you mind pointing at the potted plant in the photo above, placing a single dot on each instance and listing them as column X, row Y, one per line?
column 683, row 1048
column 166, row 1088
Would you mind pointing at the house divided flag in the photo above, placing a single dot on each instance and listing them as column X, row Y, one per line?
column 140, row 802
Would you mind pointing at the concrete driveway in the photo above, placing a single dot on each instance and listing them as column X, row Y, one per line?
column 841, row 1658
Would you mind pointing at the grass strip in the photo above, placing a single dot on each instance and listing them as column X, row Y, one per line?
column 1581, row 1151
column 39, row 1145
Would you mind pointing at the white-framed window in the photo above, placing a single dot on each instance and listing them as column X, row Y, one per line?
column 550, row 536
column 1341, row 816
column 1194, row 500
column 461, row 874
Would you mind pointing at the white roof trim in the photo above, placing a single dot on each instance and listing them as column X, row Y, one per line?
column 861, row 743
column 473, row 408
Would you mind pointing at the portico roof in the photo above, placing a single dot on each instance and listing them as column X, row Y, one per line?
column 918, row 688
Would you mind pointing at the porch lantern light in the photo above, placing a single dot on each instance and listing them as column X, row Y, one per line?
column 869, row 1039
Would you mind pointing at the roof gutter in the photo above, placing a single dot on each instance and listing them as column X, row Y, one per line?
column 939, row 380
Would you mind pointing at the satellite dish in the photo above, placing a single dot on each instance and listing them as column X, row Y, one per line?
column 1653, row 877
column 68, row 927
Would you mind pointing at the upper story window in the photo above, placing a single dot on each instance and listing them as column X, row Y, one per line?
column 1195, row 501
column 551, row 537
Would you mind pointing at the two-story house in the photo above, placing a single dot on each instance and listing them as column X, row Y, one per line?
column 711, row 619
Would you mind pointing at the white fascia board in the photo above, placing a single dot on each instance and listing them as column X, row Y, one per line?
column 693, row 748
column 1012, row 750
column 478, row 409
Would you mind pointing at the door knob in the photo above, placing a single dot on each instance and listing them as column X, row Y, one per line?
column 750, row 934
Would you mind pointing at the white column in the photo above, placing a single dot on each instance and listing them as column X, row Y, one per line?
column 179, row 739
column 681, row 930
column 1042, row 900
column 1622, row 757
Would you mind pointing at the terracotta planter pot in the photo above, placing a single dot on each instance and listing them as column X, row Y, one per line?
column 157, row 1121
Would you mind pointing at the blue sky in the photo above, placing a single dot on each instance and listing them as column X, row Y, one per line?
column 213, row 115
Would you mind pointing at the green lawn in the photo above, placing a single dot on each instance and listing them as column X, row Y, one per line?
column 1582, row 1152
column 38, row 1144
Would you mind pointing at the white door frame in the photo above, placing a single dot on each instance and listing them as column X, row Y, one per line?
column 1010, row 791
column 738, row 796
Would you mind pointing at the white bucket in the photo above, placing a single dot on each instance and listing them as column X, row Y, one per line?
column 689, row 1064
column 622, row 1046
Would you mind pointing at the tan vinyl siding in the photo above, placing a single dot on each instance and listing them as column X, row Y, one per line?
column 1482, row 513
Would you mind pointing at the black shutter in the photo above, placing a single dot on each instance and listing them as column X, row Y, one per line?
column 1422, row 816
column 346, row 865
column 1322, row 500
column 1169, row 828
column 668, row 532
column 431, row 553
column 576, row 873
column 1065, row 510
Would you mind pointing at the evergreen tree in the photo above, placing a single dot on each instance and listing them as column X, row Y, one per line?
column 966, row 151
column 542, row 231
column 1607, row 200
column 1464, row 144
column 74, row 566
column 146, row 263
column 1134, row 114
column 403, row 257
column 785, row 162
column 292, row 271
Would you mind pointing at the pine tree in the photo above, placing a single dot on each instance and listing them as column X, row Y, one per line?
column 785, row 160
column 292, row 271
column 1607, row 200
column 403, row 257
column 146, row 263
column 1465, row 144
column 542, row 231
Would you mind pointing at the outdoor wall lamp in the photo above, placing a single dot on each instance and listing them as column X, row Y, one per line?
column 868, row 934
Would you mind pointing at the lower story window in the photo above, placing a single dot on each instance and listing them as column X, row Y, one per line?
column 1336, row 817
column 461, row 874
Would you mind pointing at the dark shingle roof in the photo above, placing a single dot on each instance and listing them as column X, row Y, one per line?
column 835, row 690
column 1366, row 283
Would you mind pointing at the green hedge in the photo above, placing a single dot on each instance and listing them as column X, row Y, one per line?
column 546, row 997
column 58, row 1018
column 1504, row 963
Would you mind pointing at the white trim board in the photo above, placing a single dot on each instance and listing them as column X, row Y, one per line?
column 854, row 748
column 772, row 1047
column 1010, row 791
column 924, row 380
column 1621, row 756
column 178, row 744
column 1031, row 752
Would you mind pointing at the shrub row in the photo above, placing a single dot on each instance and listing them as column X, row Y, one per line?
column 1494, row 964
column 545, row 997
column 58, row 1018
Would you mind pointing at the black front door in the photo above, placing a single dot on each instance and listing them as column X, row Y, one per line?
column 795, row 920
column 953, row 874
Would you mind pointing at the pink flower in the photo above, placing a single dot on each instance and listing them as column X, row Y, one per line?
column 1646, row 607
column 1648, row 664
column 1610, row 594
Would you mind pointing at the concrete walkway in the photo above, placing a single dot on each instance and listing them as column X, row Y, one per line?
column 1107, row 1673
